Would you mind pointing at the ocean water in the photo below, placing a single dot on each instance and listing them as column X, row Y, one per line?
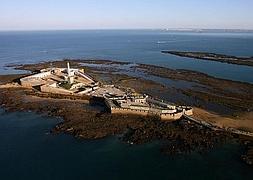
column 132, row 45
column 29, row 151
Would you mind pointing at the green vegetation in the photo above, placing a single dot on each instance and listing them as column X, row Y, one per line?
column 65, row 85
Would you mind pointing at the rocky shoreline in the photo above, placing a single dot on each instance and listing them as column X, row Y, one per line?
column 247, row 61
column 87, row 119
column 84, row 122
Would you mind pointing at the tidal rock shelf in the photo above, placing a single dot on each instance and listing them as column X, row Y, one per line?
column 85, row 119
column 247, row 61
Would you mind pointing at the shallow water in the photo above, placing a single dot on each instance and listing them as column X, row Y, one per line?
column 134, row 46
column 28, row 151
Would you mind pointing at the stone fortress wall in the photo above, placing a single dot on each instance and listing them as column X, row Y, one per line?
column 118, row 101
column 172, row 114
column 34, row 80
column 50, row 89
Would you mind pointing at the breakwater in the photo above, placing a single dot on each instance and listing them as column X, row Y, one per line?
column 216, row 128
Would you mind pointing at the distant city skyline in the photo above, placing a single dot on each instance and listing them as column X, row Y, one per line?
column 125, row 14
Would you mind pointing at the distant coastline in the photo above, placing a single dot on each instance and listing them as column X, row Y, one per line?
column 180, row 30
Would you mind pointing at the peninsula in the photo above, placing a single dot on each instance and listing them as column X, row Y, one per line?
column 247, row 61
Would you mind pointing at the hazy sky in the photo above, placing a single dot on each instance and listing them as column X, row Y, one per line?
column 122, row 14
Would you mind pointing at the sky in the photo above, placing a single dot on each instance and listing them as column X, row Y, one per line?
column 125, row 14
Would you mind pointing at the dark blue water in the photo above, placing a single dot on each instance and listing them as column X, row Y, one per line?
column 134, row 46
column 27, row 151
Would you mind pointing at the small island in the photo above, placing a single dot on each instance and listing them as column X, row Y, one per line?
column 140, row 103
column 247, row 61
column 75, row 82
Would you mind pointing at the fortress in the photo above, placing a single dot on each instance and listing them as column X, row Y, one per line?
column 61, row 81
column 75, row 82
column 146, row 105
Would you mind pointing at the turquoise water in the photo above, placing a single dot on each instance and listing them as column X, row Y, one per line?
column 135, row 46
column 28, row 151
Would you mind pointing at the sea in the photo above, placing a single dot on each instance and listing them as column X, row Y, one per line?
column 29, row 151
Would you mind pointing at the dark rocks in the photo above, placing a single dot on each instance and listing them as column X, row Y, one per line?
column 247, row 157
column 86, row 123
column 248, row 61
column 179, row 138
column 92, row 124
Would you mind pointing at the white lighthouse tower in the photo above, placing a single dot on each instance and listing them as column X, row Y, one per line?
column 68, row 70
column 70, row 74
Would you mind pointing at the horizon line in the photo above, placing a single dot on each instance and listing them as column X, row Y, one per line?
column 154, row 29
